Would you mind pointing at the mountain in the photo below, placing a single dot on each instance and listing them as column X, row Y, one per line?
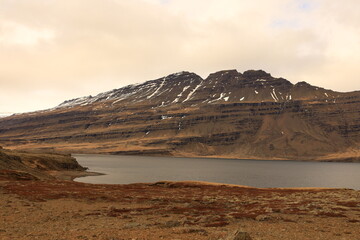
column 229, row 114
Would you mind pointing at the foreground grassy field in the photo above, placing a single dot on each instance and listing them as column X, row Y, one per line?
column 173, row 210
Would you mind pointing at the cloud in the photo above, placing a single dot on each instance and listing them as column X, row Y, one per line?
column 17, row 34
column 53, row 50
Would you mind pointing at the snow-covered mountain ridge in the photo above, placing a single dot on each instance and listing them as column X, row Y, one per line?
column 224, row 86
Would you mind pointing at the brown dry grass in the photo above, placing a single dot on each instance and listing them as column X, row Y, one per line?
column 173, row 210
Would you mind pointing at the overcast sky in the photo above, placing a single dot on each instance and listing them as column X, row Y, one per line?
column 54, row 50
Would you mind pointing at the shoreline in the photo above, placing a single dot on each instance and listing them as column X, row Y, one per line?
column 189, row 183
column 351, row 159
column 215, row 184
column 72, row 175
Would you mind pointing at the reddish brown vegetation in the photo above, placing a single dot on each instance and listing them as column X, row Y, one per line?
column 186, row 206
column 189, row 200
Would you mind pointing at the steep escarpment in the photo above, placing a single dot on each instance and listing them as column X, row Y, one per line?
column 228, row 114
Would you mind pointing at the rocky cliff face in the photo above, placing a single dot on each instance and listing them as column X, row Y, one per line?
column 228, row 114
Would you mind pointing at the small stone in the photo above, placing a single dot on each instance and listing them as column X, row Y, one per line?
column 131, row 225
column 239, row 235
column 170, row 224
column 262, row 218
column 112, row 208
column 268, row 210
column 198, row 231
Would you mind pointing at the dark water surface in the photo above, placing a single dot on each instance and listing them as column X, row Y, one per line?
column 134, row 169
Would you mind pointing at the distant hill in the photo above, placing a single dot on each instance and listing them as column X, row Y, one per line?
column 229, row 114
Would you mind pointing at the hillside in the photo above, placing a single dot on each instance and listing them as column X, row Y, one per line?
column 229, row 114
column 18, row 165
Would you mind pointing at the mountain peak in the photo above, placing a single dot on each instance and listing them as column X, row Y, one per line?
column 256, row 74
column 177, row 74
column 180, row 76
column 302, row 84
column 232, row 72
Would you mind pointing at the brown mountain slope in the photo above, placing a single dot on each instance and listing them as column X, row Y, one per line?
column 228, row 114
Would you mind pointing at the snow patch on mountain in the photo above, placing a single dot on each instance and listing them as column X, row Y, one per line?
column 157, row 90
column 193, row 91
column 180, row 94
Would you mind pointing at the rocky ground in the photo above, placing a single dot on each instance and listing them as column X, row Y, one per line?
column 53, row 209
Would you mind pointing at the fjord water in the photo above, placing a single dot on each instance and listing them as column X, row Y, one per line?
column 256, row 173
